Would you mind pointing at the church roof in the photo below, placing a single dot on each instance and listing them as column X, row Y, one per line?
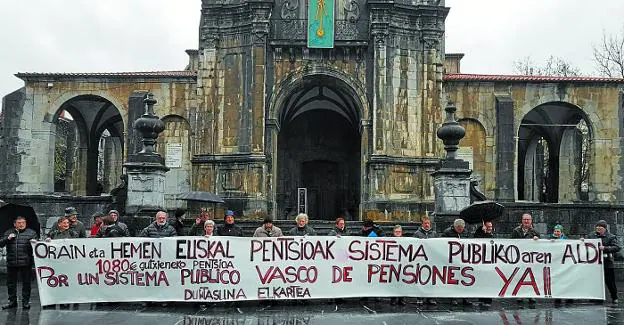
column 118, row 75
column 521, row 78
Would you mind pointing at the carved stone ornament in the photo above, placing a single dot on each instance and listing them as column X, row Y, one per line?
column 352, row 11
column 290, row 10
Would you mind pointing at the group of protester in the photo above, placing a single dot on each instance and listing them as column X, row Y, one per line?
column 19, row 252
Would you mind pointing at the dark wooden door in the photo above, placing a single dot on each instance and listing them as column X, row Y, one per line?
column 323, row 181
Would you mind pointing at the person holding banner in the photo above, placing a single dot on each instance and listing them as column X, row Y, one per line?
column 558, row 234
column 457, row 231
column 97, row 223
column 72, row 214
column 197, row 229
column 112, row 227
column 209, row 227
column 370, row 229
column 425, row 232
column 268, row 229
column 485, row 231
column 397, row 231
column 610, row 247
column 525, row 231
column 62, row 231
column 302, row 228
column 340, row 229
column 159, row 228
column 19, row 259
column 229, row 228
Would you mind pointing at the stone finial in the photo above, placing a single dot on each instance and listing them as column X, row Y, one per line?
column 451, row 132
column 149, row 125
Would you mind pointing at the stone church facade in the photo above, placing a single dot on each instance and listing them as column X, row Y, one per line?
column 258, row 117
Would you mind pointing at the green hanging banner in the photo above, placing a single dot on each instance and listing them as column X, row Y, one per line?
column 321, row 24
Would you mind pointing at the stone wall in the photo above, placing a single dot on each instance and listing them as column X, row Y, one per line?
column 493, row 103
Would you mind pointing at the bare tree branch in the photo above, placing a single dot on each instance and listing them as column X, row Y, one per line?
column 609, row 55
column 554, row 66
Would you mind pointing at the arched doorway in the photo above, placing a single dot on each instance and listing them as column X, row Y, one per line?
column 319, row 150
column 554, row 144
column 88, row 151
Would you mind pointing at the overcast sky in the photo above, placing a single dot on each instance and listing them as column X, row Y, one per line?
column 139, row 35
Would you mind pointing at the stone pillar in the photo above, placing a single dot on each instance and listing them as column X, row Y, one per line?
column 451, row 178
column 146, row 169
column 570, row 165
column 505, row 149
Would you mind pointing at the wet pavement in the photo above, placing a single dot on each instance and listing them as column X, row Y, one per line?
column 349, row 312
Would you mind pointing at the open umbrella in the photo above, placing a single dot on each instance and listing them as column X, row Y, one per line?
column 482, row 211
column 10, row 211
column 201, row 197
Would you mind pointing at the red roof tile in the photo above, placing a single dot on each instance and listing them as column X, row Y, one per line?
column 518, row 78
column 141, row 74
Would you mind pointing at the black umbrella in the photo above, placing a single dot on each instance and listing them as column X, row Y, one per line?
column 10, row 211
column 198, row 196
column 201, row 197
column 482, row 211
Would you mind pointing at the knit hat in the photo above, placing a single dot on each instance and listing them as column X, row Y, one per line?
column 601, row 223
column 229, row 213
column 558, row 227
column 70, row 211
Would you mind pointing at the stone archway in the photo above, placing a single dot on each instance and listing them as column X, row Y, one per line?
column 318, row 147
column 90, row 128
column 553, row 154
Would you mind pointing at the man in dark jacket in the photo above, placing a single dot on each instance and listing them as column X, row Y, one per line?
column 302, row 228
column 609, row 247
column 197, row 229
column 63, row 230
column 425, row 231
column 485, row 231
column 159, row 228
column 370, row 229
column 340, row 229
column 112, row 227
column 19, row 261
column 177, row 222
column 525, row 231
column 229, row 228
column 457, row 230
column 72, row 214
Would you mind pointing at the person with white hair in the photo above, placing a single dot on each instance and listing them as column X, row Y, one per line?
column 457, row 231
column 302, row 228
column 209, row 227
column 159, row 228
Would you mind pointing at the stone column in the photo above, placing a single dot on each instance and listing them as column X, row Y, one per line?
column 451, row 178
column 146, row 169
column 505, row 149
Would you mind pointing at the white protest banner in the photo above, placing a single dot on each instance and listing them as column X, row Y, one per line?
column 228, row 268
